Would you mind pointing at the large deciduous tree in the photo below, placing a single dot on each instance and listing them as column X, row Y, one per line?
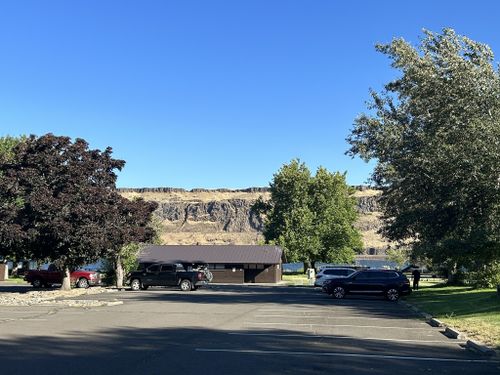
column 11, row 234
column 311, row 217
column 435, row 134
column 128, row 223
column 58, row 194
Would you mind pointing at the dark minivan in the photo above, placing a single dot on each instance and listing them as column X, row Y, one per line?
column 389, row 283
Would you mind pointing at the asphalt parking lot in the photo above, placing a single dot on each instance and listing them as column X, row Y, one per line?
column 229, row 330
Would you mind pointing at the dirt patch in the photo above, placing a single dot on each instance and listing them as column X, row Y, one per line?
column 37, row 297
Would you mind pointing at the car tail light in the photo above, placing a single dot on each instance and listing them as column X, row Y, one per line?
column 200, row 276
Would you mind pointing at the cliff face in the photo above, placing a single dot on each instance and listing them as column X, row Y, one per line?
column 224, row 216
column 232, row 215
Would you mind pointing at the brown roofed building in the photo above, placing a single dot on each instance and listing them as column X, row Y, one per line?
column 228, row 263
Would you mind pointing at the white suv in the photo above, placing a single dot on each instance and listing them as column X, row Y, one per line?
column 332, row 273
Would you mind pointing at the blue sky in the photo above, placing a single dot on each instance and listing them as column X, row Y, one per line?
column 210, row 93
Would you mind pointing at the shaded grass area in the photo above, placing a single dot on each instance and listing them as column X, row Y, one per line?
column 473, row 311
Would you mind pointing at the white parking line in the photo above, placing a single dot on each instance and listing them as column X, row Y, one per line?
column 324, row 317
column 35, row 319
column 336, row 354
column 293, row 335
column 329, row 325
column 333, row 310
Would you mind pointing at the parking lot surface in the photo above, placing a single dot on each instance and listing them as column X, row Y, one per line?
column 228, row 329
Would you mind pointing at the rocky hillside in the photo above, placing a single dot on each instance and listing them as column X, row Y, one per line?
column 223, row 216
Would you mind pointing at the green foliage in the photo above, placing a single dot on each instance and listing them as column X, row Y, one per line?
column 435, row 133
column 311, row 217
column 129, row 261
column 7, row 145
column 129, row 256
column 487, row 276
column 400, row 256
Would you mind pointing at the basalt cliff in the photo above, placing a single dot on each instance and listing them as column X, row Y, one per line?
column 224, row 216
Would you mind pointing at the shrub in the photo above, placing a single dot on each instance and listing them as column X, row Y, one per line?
column 485, row 277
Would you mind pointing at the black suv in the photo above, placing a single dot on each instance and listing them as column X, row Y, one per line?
column 391, row 284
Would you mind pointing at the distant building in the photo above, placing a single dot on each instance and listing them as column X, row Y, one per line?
column 228, row 263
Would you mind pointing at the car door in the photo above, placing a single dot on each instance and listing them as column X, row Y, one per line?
column 378, row 282
column 360, row 283
column 151, row 275
column 168, row 275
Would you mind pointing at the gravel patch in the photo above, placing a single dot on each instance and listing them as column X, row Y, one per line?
column 37, row 297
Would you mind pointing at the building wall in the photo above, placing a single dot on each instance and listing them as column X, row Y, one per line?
column 247, row 274
column 228, row 276
column 270, row 274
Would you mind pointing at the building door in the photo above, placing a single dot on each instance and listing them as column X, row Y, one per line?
column 251, row 274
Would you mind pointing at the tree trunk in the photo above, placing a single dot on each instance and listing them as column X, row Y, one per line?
column 452, row 273
column 119, row 272
column 15, row 268
column 307, row 265
column 66, row 282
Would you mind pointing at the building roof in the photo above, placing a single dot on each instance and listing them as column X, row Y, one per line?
column 226, row 254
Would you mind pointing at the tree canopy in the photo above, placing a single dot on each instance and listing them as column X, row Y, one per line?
column 435, row 134
column 58, row 202
column 311, row 217
column 128, row 222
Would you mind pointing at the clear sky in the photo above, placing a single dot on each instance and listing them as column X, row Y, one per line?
column 210, row 93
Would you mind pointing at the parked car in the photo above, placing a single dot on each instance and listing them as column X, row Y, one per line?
column 166, row 274
column 46, row 278
column 389, row 283
column 332, row 273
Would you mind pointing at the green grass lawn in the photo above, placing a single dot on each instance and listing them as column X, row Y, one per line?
column 299, row 279
column 473, row 311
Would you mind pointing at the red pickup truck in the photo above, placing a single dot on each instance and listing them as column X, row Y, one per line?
column 80, row 278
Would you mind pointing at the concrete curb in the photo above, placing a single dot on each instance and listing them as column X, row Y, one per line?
column 435, row 322
column 453, row 333
column 480, row 348
column 417, row 310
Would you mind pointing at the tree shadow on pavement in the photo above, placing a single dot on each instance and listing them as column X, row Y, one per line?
column 209, row 351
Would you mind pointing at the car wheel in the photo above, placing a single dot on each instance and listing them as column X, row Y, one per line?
column 135, row 284
column 37, row 283
column 82, row 283
column 185, row 285
column 392, row 294
column 339, row 292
